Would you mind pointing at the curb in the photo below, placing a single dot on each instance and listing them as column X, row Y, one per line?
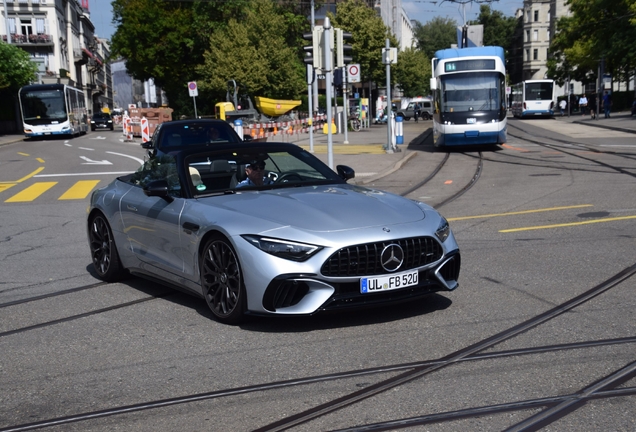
column 603, row 126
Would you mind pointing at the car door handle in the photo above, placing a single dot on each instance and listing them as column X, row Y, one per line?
column 131, row 208
column 189, row 226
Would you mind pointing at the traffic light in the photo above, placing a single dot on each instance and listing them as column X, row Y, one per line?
column 341, row 48
column 314, row 52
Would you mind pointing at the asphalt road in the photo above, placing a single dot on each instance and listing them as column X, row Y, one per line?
column 543, row 319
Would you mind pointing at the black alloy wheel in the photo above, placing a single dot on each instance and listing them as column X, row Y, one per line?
column 222, row 281
column 103, row 250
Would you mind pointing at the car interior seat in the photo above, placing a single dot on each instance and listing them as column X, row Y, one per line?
column 238, row 176
column 195, row 177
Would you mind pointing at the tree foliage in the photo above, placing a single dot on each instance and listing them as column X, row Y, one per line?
column 368, row 37
column 594, row 30
column 255, row 52
column 437, row 34
column 412, row 73
column 498, row 29
column 165, row 40
column 16, row 67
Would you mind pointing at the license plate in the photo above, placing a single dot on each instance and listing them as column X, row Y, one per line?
column 471, row 121
column 389, row 282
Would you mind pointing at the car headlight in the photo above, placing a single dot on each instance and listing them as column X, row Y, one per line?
column 282, row 248
column 443, row 230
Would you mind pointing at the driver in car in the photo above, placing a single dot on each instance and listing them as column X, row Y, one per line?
column 255, row 175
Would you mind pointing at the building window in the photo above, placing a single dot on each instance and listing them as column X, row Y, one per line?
column 548, row 35
column 536, row 16
column 528, row 15
column 527, row 35
column 535, row 35
column 535, row 54
column 528, row 54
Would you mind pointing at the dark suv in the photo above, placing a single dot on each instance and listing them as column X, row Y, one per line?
column 102, row 120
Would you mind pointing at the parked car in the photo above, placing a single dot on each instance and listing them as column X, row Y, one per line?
column 102, row 120
column 422, row 105
column 304, row 242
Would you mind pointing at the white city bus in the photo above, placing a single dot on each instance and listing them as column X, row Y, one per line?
column 533, row 98
column 53, row 109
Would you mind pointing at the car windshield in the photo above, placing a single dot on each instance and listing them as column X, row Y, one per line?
column 98, row 116
column 179, row 135
column 256, row 169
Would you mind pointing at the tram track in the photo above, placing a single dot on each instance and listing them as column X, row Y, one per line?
column 409, row 372
column 75, row 316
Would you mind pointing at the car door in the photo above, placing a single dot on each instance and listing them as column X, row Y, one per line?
column 151, row 223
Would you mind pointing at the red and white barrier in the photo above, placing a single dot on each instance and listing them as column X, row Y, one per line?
column 145, row 130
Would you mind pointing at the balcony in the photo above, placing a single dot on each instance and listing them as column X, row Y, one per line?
column 32, row 39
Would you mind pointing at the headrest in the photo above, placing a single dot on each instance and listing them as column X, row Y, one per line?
column 220, row 166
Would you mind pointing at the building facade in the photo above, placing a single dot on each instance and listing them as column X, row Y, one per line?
column 60, row 37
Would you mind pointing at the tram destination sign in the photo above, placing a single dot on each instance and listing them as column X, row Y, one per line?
column 466, row 65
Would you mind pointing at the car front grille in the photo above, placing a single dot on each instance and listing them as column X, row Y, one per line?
column 364, row 259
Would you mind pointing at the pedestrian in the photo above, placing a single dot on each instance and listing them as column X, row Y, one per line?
column 583, row 104
column 607, row 103
column 562, row 105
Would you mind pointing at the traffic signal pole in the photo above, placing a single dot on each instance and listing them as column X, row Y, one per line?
column 328, row 71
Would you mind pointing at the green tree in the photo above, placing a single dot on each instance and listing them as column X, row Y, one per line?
column 16, row 67
column 368, row 37
column 499, row 30
column 255, row 53
column 165, row 40
column 412, row 72
column 437, row 34
column 594, row 30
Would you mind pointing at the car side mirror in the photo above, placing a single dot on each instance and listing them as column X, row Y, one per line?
column 345, row 172
column 247, row 138
column 158, row 188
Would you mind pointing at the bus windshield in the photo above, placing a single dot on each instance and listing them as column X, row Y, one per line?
column 481, row 91
column 43, row 106
column 539, row 91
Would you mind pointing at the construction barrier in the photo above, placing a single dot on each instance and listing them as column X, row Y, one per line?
column 399, row 134
column 145, row 130
column 127, row 128
column 272, row 129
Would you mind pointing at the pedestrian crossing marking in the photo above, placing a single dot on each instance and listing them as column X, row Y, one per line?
column 32, row 192
column 79, row 190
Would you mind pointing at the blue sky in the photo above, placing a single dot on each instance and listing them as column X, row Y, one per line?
column 420, row 10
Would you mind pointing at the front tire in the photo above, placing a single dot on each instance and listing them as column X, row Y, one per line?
column 103, row 250
column 222, row 281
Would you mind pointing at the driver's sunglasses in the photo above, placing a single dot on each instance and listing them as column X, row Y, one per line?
column 257, row 167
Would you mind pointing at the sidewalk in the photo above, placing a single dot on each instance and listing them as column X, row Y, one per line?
column 620, row 121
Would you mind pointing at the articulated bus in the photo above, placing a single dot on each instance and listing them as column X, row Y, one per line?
column 469, row 95
column 533, row 98
column 53, row 109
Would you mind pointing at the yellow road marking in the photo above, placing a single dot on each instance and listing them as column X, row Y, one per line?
column 348, row 149
column 5, row 186
column 519, row 212
column 568, row 224
column 39, row 160
column 30, row 175
column 79, row 190
column 32, row 192
column 23, row 154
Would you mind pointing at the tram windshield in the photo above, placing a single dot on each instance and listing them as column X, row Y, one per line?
column 475, row 91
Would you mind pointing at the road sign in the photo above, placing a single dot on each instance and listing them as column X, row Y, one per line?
column 192, row 88
column 353, row 73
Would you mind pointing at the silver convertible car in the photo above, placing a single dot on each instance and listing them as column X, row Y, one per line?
column 268, row 229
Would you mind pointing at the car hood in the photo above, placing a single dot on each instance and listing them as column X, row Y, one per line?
column 322, row 208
